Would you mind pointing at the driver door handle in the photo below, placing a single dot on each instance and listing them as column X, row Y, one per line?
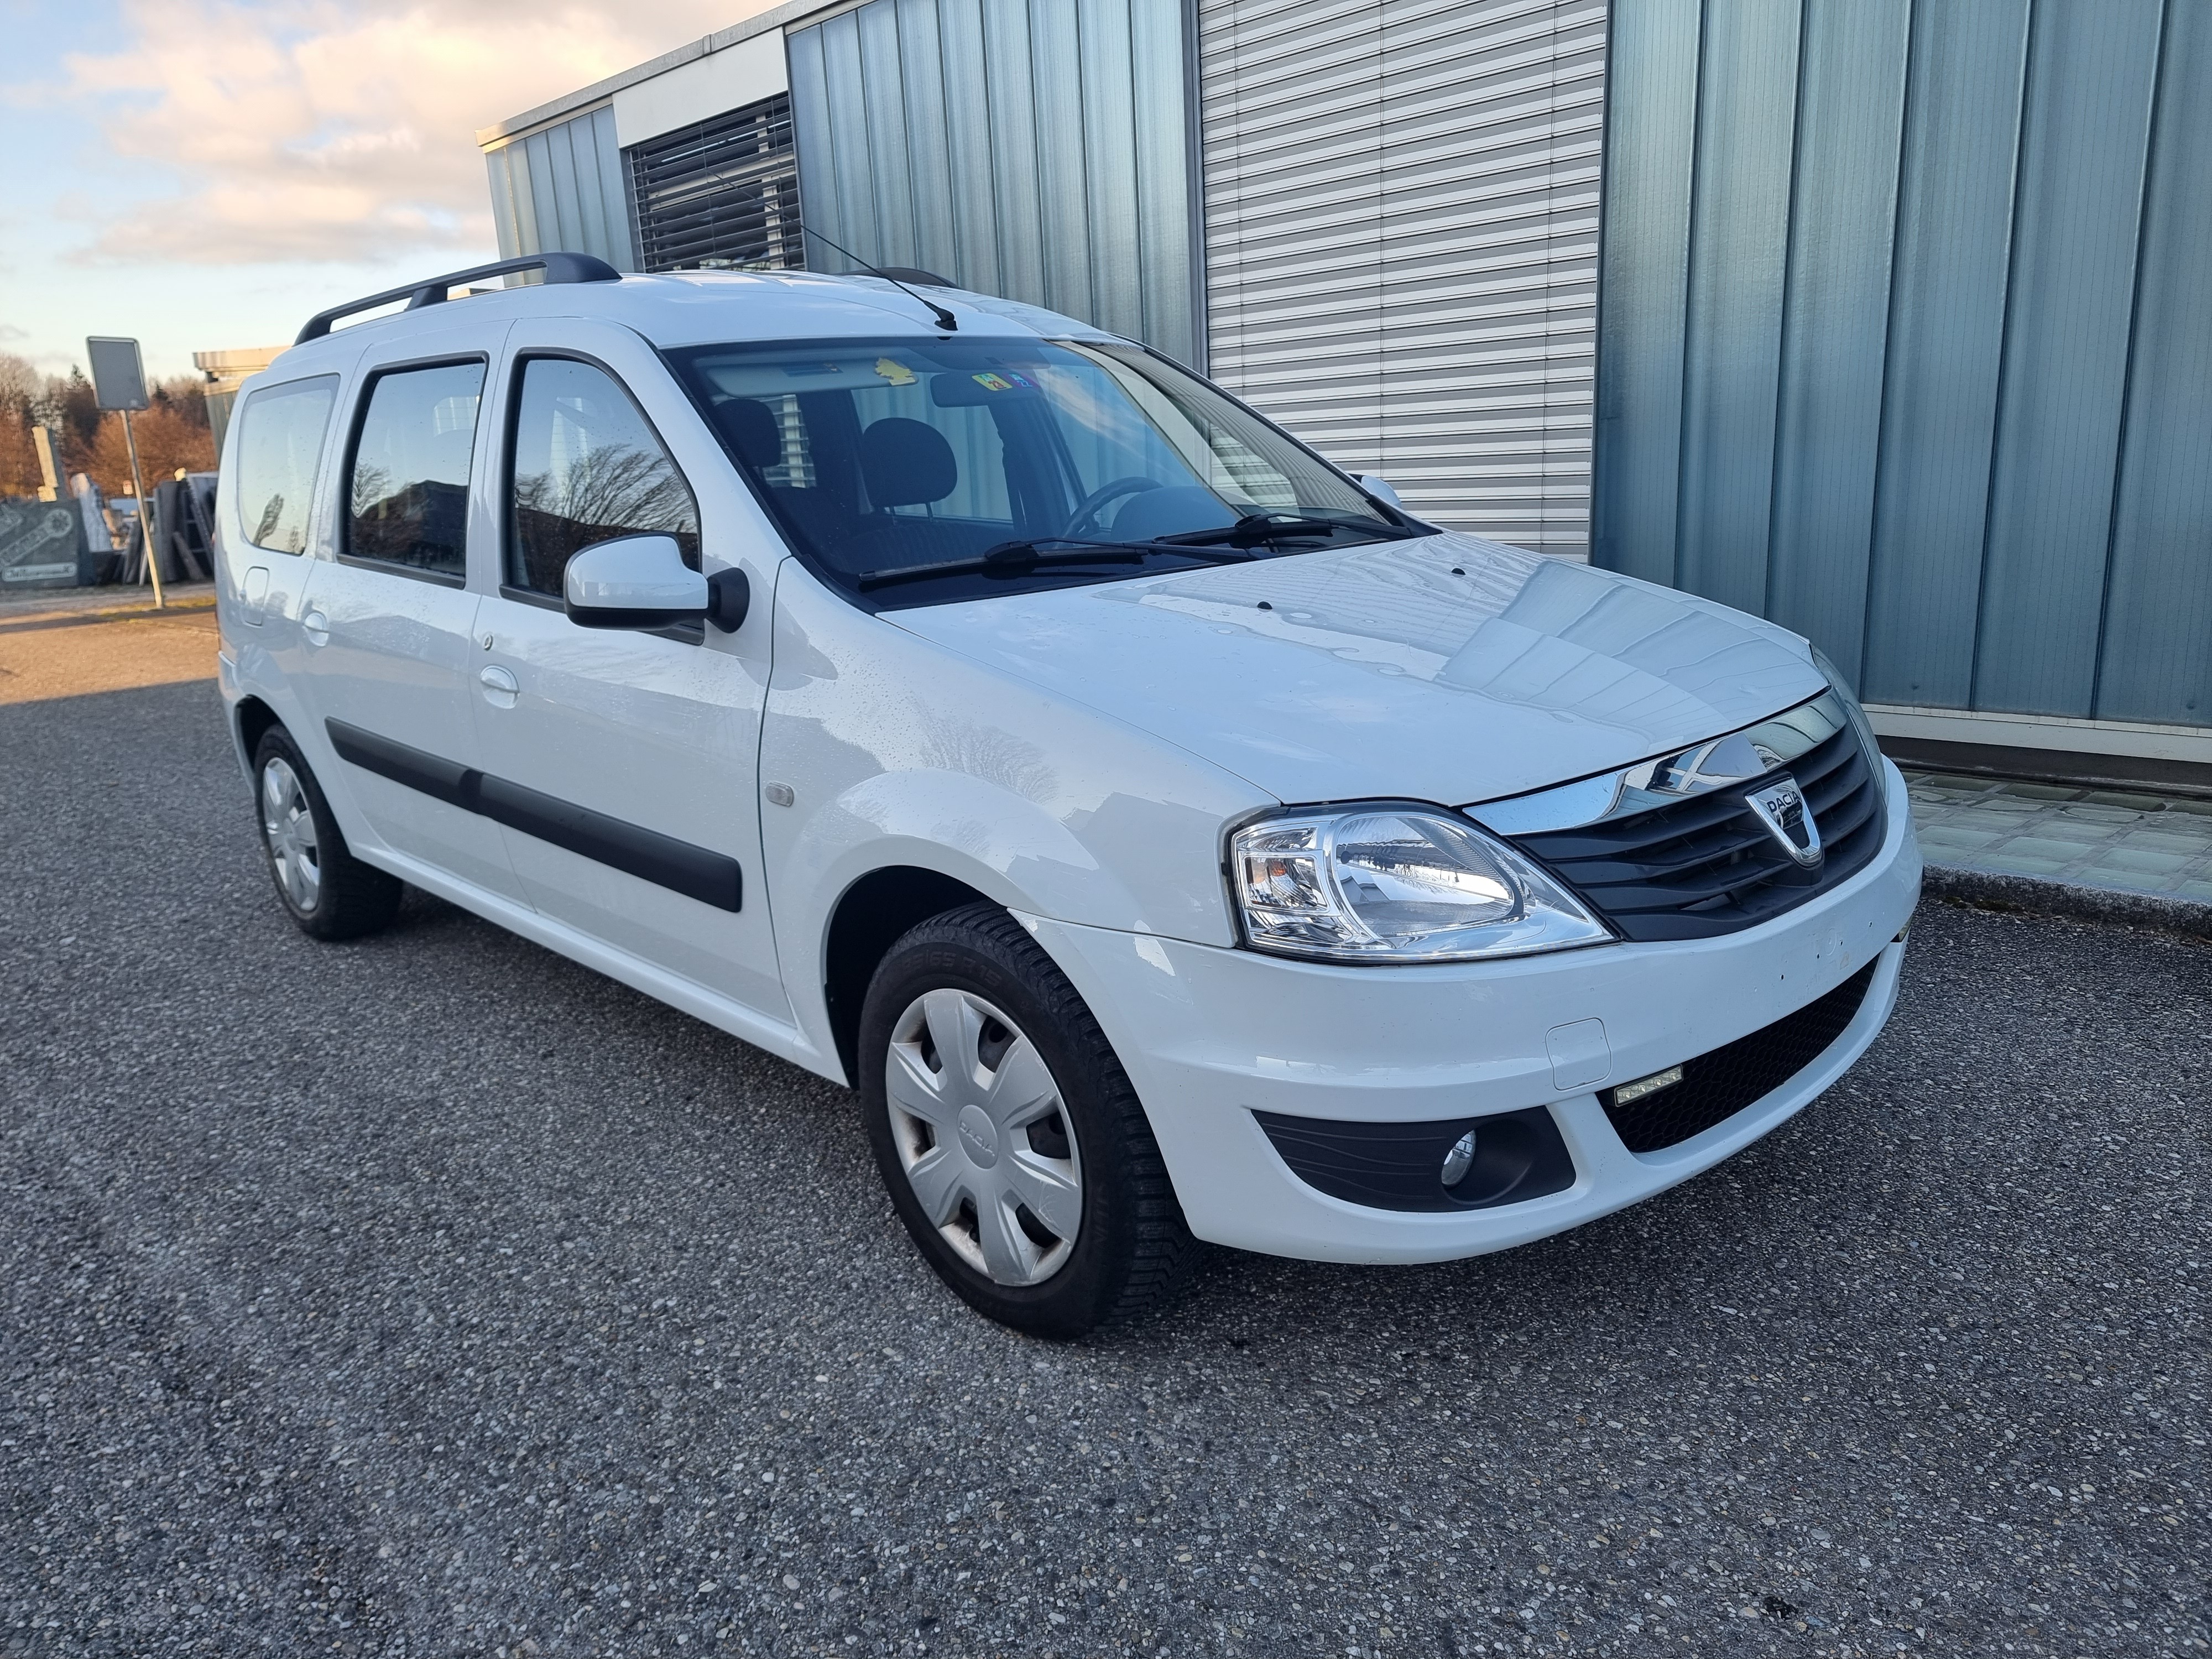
column 501, row 688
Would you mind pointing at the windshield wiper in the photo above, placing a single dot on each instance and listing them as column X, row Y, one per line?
column 1019, row 556
column 1256, row 527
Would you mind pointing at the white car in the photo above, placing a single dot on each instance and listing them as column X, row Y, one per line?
column 1170, row 837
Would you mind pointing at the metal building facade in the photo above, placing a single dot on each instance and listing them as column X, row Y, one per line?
column 1907, row 340
column 1034, row 148
column 562, row 188
column 1401, row 242
column 1890, row 319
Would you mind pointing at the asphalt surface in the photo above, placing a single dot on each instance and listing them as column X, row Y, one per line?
column 433, row 1296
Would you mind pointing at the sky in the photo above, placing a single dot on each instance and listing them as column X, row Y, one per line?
column 204, row 175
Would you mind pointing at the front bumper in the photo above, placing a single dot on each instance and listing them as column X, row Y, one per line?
column 1210, row 1036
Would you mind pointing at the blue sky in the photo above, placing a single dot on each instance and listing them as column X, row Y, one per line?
column 203, row 175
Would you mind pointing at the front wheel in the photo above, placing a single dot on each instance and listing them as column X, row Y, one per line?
column 1014, row 1147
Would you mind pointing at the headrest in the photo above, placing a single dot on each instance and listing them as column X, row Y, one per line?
column 748, row 427
column 906, row 463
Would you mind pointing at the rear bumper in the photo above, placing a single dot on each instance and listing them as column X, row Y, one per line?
column 1210, row 1036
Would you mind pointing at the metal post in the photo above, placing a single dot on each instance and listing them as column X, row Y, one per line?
column 145, row 516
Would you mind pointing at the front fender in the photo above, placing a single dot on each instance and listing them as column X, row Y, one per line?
column 881, row 748
column 1002, row 844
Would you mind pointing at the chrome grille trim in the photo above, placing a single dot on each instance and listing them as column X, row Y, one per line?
column 1733, row 759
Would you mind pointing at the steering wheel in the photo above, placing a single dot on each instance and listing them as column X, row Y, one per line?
column 1112, row 490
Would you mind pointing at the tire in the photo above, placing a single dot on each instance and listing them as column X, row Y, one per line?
column 984, row 1187
column 328, row 892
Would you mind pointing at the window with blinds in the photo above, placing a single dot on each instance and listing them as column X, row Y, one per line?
column 721, row 195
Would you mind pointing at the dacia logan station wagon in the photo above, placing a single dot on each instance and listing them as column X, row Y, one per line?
column 1170, row 836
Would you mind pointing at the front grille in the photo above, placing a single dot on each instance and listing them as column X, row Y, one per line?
column 1707, row 865
column 1718, row 1086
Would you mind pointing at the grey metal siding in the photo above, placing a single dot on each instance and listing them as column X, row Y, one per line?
column 1906, row 339
column 1402, row 216
column 560, row 189
column 1015, row 146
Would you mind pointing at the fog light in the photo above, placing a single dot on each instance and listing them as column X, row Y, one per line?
column 1459, row 1160
column 1647, row 1086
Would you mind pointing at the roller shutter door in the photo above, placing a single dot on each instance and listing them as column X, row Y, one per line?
column 1401, row 218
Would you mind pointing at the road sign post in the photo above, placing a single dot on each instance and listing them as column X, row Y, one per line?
column 118, row 383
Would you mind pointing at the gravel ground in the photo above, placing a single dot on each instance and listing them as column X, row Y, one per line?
column 433, row 1296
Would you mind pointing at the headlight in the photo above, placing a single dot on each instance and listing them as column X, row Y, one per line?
column 1860, row 724
column 1396, row 884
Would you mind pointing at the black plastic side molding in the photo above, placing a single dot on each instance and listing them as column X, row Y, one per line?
column 696, row 873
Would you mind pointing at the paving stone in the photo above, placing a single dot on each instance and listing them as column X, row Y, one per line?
column 2122, row 840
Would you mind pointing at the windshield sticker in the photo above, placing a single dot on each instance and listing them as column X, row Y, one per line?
column 895, row 371
column 1006, row 382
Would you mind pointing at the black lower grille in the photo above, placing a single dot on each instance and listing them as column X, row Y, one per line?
column 1399, row 1166
column 1718, row 1086
column 1708, row 865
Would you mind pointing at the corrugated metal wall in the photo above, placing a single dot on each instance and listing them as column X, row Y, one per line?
column 1401, row 218
column 561, row 188
column 1033, row 148
column 1907, row 338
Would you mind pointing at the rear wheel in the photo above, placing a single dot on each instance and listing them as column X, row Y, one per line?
column 330, row 893
column 1013, row 1146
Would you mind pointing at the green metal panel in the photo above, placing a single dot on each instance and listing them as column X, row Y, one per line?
column 1849, row 118
column 1922, row 331
column 2157, row 656
column 1012, row 145
column 1643, row 284
column 2091, row 65
column 1739, row 235
column 1946, row 337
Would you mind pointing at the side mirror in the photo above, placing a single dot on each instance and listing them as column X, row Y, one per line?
column 633, row 581
column 642, row 582
column 1379, row 486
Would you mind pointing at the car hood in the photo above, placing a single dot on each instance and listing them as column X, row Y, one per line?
column 1445, row 668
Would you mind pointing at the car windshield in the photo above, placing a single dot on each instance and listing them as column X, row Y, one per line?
column 917, row 472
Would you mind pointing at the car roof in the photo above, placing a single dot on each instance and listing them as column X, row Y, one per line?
column 706, row 307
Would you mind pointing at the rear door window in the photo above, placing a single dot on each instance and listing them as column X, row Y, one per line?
column 280, row 444
column 407, row 485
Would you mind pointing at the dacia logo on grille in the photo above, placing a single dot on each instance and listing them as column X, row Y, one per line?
column 1781, row 807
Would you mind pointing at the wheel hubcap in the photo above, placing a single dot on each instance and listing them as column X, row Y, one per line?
column 984, row 1137
column 290, row 827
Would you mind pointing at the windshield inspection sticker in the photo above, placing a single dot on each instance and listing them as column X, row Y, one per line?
column 1008, row 382
column 895, row 371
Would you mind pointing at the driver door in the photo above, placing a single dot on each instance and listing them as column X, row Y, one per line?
column 630, row 757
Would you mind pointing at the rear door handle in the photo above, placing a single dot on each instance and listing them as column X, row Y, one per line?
column 501, row 688
column 316, row 626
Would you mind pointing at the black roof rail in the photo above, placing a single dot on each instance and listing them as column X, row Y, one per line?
column 557, row 267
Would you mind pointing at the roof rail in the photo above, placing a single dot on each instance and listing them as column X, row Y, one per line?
column 557, row 267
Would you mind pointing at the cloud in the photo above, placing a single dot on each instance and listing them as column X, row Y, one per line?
column 334, row 130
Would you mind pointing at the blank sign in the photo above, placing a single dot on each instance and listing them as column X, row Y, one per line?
column 119, row 380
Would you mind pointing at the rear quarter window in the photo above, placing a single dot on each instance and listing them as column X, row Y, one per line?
column 280, row 441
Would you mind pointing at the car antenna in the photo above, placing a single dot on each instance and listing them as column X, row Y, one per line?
column 946, row 319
